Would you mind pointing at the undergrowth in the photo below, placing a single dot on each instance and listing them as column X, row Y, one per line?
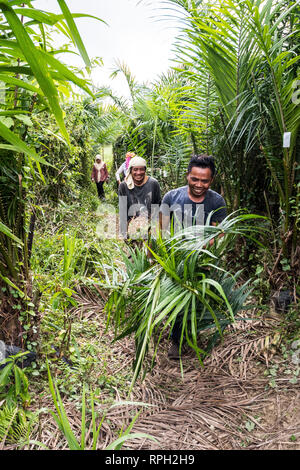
column 67, row 263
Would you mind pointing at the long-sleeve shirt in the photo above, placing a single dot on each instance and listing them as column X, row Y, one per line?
column 103, row 174
column 121, row 170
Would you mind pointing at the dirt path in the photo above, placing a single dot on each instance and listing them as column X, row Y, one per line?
column 232, row 403
column 246, row 397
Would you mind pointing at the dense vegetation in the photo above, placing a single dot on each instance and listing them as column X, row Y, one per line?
column 233, row 92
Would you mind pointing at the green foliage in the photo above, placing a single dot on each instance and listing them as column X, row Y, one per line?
column 15, row 420
column 238, row 62
column 71, row 165
column 188, row 282
column 14, row 382
column 147, row 122
column 36, row 62
column 65, row 258
column 34, row 82
column 15, row 426
column 63, row 423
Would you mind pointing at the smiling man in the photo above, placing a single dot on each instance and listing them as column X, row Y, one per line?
column 191, row 205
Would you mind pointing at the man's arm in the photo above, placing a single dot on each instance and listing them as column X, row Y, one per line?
column 157, row 197
column 164, row 216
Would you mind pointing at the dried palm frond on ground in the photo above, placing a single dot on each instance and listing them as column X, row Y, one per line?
column 230, row 403
column 88, row 303
column 215, row 411
column 247, row 341
column 219, row 407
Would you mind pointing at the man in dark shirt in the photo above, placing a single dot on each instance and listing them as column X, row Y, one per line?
column 191, row 205
column 139, row 195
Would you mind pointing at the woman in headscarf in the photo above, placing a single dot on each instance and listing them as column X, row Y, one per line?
column 99, row 175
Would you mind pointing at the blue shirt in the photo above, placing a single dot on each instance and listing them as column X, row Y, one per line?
column 186, row 212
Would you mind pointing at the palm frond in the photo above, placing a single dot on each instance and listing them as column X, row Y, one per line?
column 187, row 284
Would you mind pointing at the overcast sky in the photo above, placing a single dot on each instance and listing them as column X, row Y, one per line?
column 137, row 34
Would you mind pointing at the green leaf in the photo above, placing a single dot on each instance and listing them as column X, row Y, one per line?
column 38, row 15
column 61, row 417
column 21, row 84
column 294, row 380
column 46, row 17
column 11, row 284
column 38, row 66
column 7, row 121
column 6, row 230
column 83, row 413
column 250, row 425
column 122, row 439
column 74, row 32
column 19, row 145
column 5, row 373
column 64, row 72
column 25, row 119
column 17, row 380
column 15, row 69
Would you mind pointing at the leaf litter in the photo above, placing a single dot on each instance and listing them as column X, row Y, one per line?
column 228, row 404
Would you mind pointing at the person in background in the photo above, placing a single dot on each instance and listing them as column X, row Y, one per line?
column 99, row 175
column 124, row 167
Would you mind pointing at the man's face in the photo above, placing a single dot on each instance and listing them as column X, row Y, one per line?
column 138, row 174
column 199, row 181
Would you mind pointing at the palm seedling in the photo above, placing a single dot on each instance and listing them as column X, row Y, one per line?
column 188, row 282
column 64, row 426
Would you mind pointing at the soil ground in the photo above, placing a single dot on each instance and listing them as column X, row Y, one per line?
column 245, row 397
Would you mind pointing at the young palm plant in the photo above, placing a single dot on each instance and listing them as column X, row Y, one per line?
column 187, row 283
column 64, row 426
